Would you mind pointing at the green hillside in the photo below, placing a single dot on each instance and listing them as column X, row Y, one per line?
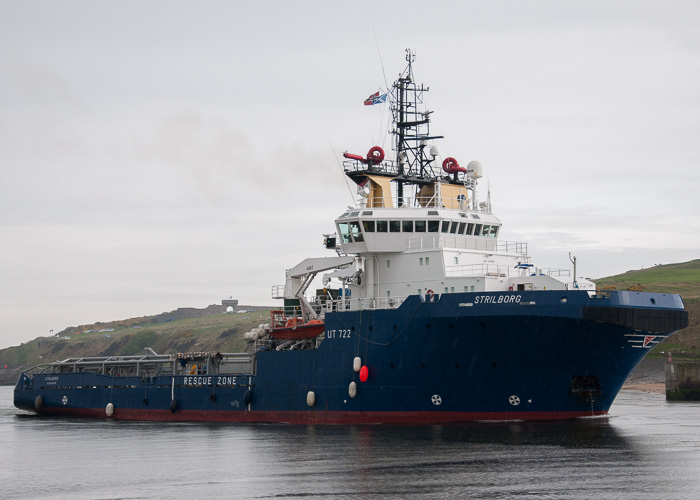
column 216, row 332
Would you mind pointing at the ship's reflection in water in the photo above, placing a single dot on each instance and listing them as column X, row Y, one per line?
column 647, row 448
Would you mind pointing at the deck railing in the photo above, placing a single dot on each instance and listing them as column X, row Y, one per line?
column 466, row 243
column 499, row 271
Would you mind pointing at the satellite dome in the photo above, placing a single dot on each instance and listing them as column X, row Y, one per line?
column 474, row 169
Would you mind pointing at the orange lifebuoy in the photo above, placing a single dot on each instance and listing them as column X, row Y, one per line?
column 375, row 155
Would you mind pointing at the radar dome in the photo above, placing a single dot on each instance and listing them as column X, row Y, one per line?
column 474, row 170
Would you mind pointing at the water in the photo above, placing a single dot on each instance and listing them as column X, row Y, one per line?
column 647, row 449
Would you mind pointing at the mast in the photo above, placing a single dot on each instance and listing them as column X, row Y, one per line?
column 412, row 132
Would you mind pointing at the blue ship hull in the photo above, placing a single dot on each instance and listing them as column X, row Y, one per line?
column 461, row 357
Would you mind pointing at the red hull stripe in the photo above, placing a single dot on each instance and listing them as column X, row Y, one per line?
column 320, row 417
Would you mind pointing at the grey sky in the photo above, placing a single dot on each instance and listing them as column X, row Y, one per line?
column 156, row 155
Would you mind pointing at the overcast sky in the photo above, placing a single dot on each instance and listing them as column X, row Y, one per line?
column 156, row 155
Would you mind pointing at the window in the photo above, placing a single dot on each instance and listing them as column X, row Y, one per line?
column 477, row 230
column 367, row 212
column 486, row 231
column 474, row 216
column 452, row 289
column 395, row 226
column 382, row 226
column 420, row 226
column 494, row 231
column 420, row 261
column 456, row 260
column 368, row 226
column 462, row 225
column 466, row 288
column 427, row 261
column 388, row 293
column 472, row 288
column 433, row 226
column 353, row 214
column 344, row 230
column 355, row 231
column 454, row 227
column 388, row 263
column 445, row 289
column 445, row 226
column 407, row 226
column 470, row 228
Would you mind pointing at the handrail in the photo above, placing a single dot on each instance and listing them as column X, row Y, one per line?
column 466, row 243
column 494, row 270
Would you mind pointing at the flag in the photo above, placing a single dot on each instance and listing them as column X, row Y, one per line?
column 375, row 99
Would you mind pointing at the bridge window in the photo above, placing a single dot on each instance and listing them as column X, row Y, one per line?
column 368, row 226
column 420, row 226
column 470, row 228
column 462, row 225
column 486, row 230
column 395, row 226
column 445, row 226
column 433, row 226
column 454, row 227
column 382, row 226
column 355, row 231
column 477, row 230
column 344, row 230
column 494, row 231
column 407, row 226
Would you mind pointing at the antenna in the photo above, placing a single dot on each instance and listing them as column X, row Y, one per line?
column 411, row 131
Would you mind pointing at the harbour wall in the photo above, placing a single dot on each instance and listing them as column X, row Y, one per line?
column 682, row 380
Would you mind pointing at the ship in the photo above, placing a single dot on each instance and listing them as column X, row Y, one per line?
column 423, row 315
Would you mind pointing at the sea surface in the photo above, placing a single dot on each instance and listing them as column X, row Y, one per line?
column 646, row 449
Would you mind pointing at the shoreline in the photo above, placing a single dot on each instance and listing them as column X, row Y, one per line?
column 658, row 388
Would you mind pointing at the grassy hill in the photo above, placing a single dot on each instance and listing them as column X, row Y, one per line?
column 217, row 332
column 224, row 332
